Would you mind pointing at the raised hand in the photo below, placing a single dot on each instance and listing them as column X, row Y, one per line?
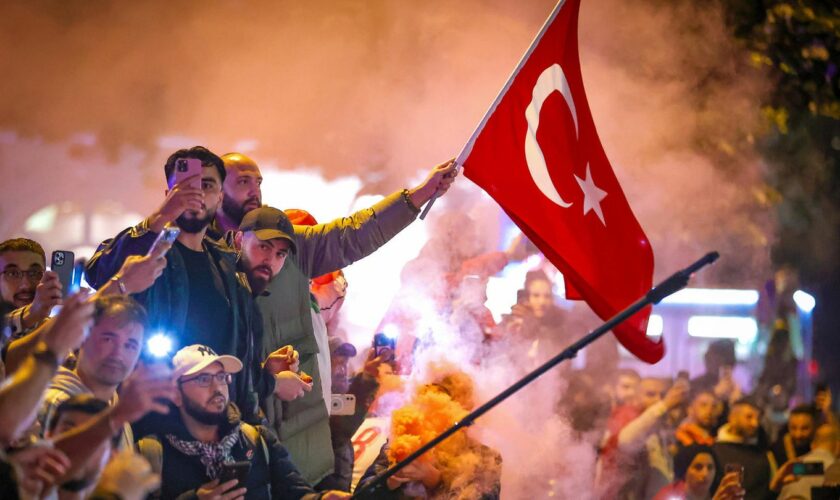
column 677, row 394
column 373, row 362
column 38, row 467
column 68, row 330
column 142, row 393
column 438, row 181
column 47, row 295
column 140, row 272
column 182, row 197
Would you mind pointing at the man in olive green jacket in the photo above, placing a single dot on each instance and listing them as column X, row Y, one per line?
column 287, row 306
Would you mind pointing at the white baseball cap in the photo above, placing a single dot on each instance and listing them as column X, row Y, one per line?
column 194, row 358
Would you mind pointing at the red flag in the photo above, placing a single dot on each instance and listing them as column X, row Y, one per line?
column 537, row 153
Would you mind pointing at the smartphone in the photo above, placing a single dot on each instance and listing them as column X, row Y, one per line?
column 382, row 341
column 343, row 404
column 168, row 235
column 682, row 374
column 235, row 470
column 187, row 167
column 62, row 264
column 158, row 349
column 735, row 468
column 808, row 469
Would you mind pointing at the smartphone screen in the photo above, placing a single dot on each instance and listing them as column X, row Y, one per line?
column 808, row 469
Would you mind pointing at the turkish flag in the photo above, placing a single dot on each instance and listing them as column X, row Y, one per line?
column 537, row 153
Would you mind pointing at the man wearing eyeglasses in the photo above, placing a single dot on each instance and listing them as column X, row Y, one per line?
column 196, row 447
column 25, row 283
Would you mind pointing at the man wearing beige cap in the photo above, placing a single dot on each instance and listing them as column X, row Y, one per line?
column 204, row 450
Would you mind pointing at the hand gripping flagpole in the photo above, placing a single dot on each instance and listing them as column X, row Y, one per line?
column 674, row 283
column 465, row 152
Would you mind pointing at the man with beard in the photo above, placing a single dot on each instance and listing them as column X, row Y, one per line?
column 242, row 193
column 105, row 359
column 287, row 309
column 741, row 441
column 699, row 425
column 264, row 243
column 206, row 433
column 796, row 442
column 198, row 298
column 634, row 448
column 26, row 284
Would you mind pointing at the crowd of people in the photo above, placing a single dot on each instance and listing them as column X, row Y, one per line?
column 259, row 400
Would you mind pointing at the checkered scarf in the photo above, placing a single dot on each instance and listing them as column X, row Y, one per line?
column 212, row 455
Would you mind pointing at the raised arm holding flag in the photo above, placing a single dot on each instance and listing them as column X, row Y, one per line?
column 537, row 153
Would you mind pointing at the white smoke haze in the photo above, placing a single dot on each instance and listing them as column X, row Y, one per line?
column 381, row 90
column 357, row 99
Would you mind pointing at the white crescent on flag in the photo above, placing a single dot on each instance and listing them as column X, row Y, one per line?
column 551, row 80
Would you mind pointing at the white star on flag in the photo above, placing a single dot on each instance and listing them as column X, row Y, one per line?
column 592, row 195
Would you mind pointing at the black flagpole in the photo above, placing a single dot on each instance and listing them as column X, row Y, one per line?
column 674, row 283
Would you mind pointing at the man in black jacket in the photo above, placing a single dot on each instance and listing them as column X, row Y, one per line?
column 195, row 447
column 742, row 441
column 199, row 298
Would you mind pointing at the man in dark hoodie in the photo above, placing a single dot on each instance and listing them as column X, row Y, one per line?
column 192, row 448
column 741, row 441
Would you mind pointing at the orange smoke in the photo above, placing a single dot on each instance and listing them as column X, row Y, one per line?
column 415, row 424
column 468, row 469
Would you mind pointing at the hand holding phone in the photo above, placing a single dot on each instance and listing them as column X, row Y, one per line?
column 62, row 263
column 188, row 169
column 381, row 342
column 737, row 469
column 47, row 295
column 166, row 237
column 184, row 194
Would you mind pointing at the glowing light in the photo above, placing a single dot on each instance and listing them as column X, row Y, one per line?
column 804, row 301
column 159, row 345
column 714, row 297
column 655, row 326
column 391, row 331
column 742, row 328
column 43, row 220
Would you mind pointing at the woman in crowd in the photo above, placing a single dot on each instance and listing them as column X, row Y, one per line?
column 695, row 471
